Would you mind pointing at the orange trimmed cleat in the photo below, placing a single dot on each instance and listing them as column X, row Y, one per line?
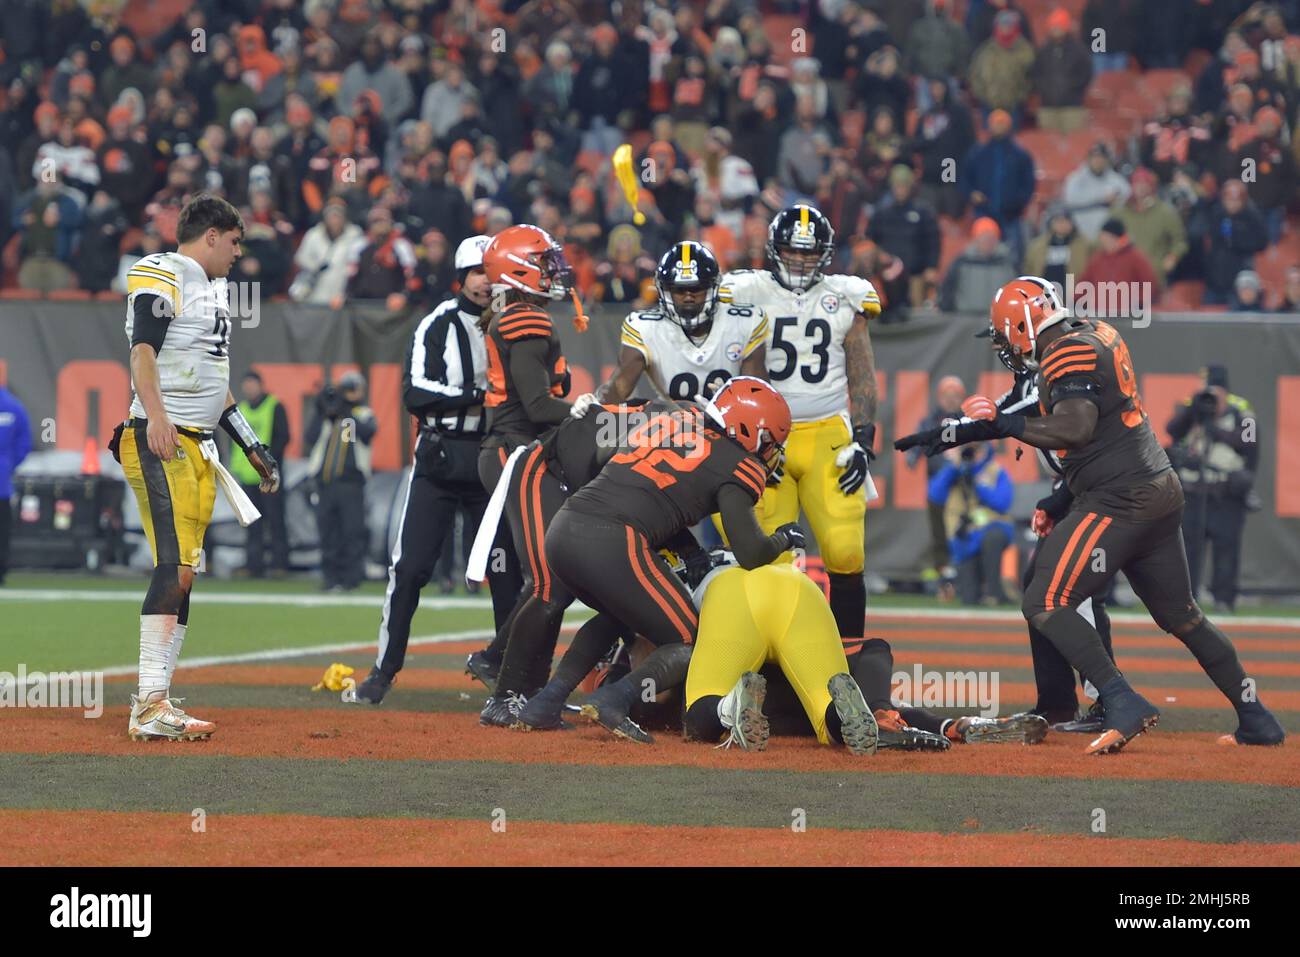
column 1127, row 715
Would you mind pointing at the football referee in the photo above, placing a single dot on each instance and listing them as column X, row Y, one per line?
column 443, row 386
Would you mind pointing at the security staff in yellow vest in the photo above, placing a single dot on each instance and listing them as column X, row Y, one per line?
column 339, row 437
column 267, row 418
column 975, row 493
column 1216, row 455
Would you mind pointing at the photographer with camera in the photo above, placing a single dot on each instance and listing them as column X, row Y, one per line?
column 339, row 436
column 1216, row 455
column 975, row 493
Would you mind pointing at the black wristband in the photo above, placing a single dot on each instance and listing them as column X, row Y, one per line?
column 865, row 435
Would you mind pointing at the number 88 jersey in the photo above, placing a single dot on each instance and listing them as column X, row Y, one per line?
column 681, row 368
column 805, row 349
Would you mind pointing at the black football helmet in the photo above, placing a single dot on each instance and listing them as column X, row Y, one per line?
column 800, row 230
column 689, row 267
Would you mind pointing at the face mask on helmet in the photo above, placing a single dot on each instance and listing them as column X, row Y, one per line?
column 687, row 281
column 557, row 274
column 799, row 247
column 1007, row 355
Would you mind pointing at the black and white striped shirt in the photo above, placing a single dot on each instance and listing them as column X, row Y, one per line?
column 446, row 369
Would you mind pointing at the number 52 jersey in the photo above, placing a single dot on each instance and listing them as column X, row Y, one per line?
column 682, row 369
column 805, row 349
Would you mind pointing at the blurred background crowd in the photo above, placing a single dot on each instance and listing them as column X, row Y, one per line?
column 953, row 143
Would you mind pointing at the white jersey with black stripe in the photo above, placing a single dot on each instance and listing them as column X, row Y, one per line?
column 682, row 368
column 194, row 362
column 806, row 361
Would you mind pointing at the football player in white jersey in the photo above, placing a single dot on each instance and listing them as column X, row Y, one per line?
column 178, row 324
column 690, row 345
column 820, row 359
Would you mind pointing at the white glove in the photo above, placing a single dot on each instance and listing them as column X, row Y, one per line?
column 581, row 404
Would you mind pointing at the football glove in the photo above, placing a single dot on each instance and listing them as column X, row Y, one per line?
column 581, row 404
column 791, row 537
column 979, row 408
column 855, row 459
column 949, row 435
column 260, row 457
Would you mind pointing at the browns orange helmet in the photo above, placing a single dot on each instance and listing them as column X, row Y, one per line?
column 1021, row 310
column 754, row 414
column 526, row 258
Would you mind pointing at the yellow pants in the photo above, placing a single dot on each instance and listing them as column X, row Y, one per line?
column 770, row 614
column 811, row 481
column 175, row 497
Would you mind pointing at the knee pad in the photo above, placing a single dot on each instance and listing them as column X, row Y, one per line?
column 843, row 552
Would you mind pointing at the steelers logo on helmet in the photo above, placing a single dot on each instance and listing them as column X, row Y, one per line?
column 687, row 280
column 800, row 243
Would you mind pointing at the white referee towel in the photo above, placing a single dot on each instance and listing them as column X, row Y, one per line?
column 476, row 567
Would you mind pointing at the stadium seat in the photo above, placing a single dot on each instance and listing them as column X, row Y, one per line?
column 71, row 294
column 1182, row 296
column 20, row 294
column 108, row 295
column 1159, row 83
column 1107, row 87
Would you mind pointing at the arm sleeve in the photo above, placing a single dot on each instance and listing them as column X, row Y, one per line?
column 748, row 543
column 532, row 380
column 997, row 496
column 151, row 314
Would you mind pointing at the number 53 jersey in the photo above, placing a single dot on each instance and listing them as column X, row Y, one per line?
column 805, row 348
column 194, row 362
column 682, row 369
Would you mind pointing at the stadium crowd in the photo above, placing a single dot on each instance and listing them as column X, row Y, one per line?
column 953, row 144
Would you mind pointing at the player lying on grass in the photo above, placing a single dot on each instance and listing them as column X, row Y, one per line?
column 776, row 615
column 1127, row 510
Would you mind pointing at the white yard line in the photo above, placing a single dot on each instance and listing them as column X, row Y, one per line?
column 436, row 603
column 296, row 600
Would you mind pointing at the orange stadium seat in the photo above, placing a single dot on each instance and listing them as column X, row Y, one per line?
column 71, row 294
column 1107, row 87
column 1159, row 83
column 20, row 294
column 108, row 295
column 1182, row 296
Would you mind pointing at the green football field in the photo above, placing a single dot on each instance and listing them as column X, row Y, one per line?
column 295, row 776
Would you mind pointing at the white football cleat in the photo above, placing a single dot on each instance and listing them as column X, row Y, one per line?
column 165, row 720
column 741, row 713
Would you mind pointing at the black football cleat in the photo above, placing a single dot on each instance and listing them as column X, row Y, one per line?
column 1255, row 725
column 606, row 710
column 1127, row 716
column 1093, row 721
column 501, row 712
column 483, row 669
column 374, row 687
column 543, row 712
column 1021, row 728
